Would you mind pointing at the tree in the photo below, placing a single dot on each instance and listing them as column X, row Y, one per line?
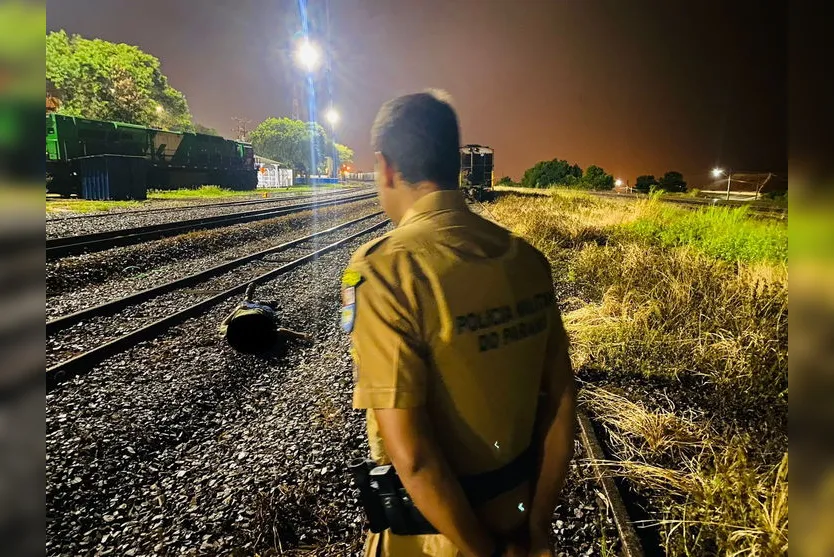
column 345, row 154
column 301, row 145
column 645, row 183
column 504, row 181
column 550, row 173
column 199, row 128
column 595, row 178
column 106, row 81
column 672, row 182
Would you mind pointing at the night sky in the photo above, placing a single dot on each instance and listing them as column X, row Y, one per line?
column 636, row 87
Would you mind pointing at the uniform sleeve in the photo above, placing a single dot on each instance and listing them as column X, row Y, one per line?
column 389, row 352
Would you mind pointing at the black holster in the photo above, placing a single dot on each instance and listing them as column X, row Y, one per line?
column 388, row 505
column 386, row 502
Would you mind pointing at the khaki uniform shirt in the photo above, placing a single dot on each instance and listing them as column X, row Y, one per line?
column 455, row 314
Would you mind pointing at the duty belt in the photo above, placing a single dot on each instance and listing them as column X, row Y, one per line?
column 388, row 505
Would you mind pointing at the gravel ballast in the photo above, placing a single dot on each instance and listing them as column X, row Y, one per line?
column 74, row 224
column 181, row 446
column 98, row 330
column 76, row 279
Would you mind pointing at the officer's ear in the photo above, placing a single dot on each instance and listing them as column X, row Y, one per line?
column 384, row 171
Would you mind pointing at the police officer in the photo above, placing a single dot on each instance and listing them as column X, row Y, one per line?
column 460, row 354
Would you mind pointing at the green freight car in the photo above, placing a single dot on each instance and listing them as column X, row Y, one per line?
column 94, row 159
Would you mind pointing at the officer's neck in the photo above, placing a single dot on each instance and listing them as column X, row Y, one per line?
column 409, row 194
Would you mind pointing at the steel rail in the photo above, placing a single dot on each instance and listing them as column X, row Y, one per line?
column 83, row 362
column 631, row 546
column 328, row 193
column 113, row 306
column 70, row 245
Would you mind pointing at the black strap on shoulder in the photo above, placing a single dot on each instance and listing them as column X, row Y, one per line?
column 480, row 488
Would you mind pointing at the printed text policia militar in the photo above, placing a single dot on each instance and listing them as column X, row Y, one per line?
column 504, row 315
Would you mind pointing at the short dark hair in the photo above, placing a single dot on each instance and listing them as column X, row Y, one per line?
column 418, row 135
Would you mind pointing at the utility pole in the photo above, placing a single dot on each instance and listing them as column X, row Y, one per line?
column 296, row 107
column 241, row 131
column 763, row 184
column 729, row 174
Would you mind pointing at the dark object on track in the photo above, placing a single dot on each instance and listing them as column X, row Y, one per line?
column 83, row 362
column 252, row 327
column 476, row 169
column 95, row 159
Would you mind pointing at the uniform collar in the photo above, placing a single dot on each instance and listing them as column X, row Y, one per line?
column 443, row 200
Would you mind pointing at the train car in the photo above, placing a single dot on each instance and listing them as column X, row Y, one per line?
column 83, row 154
column 476, row 169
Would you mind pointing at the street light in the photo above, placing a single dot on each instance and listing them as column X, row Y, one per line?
column 618, row 182
column 331, row 116
column 716, row 172
column 307, row 55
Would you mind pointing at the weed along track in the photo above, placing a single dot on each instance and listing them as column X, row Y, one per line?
column 678, row 330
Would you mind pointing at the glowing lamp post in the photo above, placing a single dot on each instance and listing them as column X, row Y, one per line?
column 332, row 117
column 308, row 56
column 717, row 173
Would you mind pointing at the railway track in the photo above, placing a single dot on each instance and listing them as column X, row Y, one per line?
column 630, row 544
column 695, row 203
column 83, row 361
column 755, row 210
column 280, row 198
column 88, row 243
column 627, row 544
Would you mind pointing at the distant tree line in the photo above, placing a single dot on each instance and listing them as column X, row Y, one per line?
column 559, row 172
column 671, row 182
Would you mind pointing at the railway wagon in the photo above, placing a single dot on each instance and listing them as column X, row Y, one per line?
column 476, row 168
column 83, row 154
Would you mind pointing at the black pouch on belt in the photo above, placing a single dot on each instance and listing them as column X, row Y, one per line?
column 403, row 517
column 360, row 469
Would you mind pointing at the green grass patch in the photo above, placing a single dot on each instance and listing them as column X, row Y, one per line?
column 724, row 233
column 208, row 192
column 212, row 192
column 87, row 206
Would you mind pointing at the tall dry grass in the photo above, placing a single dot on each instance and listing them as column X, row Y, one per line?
column 713, row 500
column 690, row 321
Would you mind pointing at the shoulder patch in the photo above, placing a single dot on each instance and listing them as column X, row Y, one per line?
column 348, row 318
column 351, row 278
